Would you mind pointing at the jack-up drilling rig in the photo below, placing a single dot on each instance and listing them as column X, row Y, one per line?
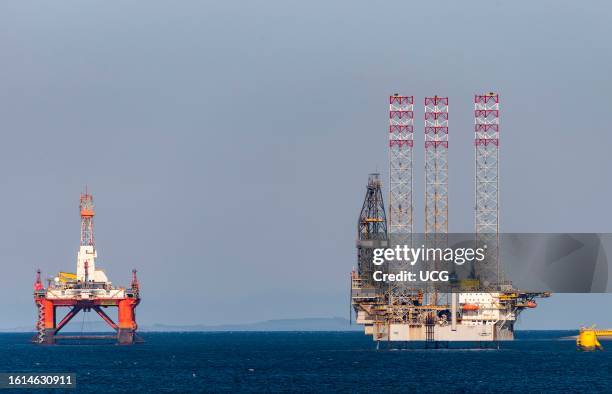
column 479, row 312
column 88, row 289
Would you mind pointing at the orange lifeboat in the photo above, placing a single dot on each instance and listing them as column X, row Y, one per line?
column 531, row 304
column 470, row 307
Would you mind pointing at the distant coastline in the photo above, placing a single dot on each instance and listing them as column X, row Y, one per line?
column 304, row 324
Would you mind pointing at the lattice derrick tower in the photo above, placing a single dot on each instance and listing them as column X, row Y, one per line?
column 87, row 217
column 486, row 142
column 371, row 229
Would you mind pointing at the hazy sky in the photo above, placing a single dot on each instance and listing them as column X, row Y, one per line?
column 228, row 144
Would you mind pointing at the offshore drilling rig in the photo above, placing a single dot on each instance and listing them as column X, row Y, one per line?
column 474, row 311
column 88, row 289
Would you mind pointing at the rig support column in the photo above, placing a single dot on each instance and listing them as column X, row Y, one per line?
column 436, row 179
column 401, row 140
column 46, row 321
column 127, row 321
column 400, row 218
column 486, row 142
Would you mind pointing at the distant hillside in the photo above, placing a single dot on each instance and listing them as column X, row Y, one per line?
column 306, row 324
column 309, row 324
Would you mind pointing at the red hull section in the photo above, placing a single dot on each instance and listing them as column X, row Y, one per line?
column 48, row 326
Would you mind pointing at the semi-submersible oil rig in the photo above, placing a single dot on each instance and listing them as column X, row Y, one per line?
column 88, row 289
column 475, row 310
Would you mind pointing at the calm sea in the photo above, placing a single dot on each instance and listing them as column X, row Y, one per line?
column 313, row 361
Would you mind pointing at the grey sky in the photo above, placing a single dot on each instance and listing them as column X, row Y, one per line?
column 228, row 144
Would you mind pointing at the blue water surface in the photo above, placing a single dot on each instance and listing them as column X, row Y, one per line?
column 538, row 361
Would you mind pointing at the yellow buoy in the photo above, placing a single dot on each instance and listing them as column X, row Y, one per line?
column 587, row 340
